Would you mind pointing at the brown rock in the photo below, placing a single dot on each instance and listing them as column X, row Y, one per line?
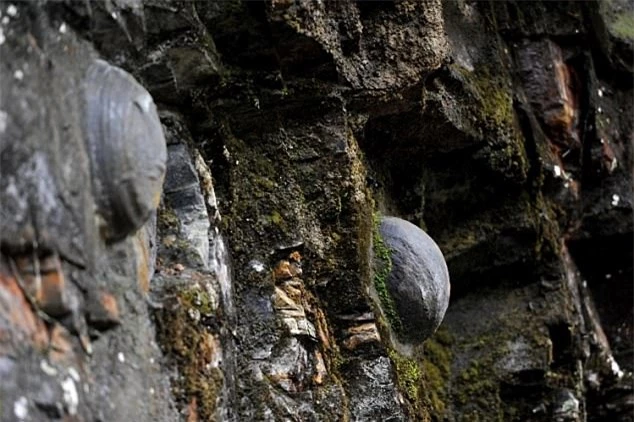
column 295, row 256
column 60, row 345
column 320, row 368
column 285, row 270
column 361, row 334
column 18, row 321
column 51, row 297
column 43, row 280
column 103, row 311
column 192, row 410
column 548, row 83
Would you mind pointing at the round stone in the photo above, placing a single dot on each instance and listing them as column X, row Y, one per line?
column 417, row 285
column 127, row 148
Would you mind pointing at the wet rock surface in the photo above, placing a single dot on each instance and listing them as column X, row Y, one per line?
column 499, row 128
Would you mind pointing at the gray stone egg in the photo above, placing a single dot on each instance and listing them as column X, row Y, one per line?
column 414, row 290
column 126, row 146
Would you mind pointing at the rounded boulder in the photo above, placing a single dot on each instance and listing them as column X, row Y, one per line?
column 127, row 148
column 416, row 289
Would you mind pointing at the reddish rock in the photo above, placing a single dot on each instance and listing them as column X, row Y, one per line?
column 295, row 256
column 285, row 270
column 143, row 258
column 320, row 368
column 43, row 280
column 18, row 321
column 60, row 345
column 51, row 297
column 192, row 410
column 103, row 312
column 548, row 82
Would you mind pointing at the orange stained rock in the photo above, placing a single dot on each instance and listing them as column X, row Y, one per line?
column 208, row 348
column 110, row 305
column 43, row 279
column 104, row 312
column 50, row 298
column 282, row 271
column 564, row 116
column 322, row 329
column 20, row 320
column 60, row 345
column 293, row 292
column 142, row 253
column 281, row 301
column 192, row 410
column 285, row 270
column 320, row 368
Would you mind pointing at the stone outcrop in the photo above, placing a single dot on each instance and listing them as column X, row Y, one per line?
column 502, row 129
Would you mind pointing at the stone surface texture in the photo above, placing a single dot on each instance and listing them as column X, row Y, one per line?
column 503, row 129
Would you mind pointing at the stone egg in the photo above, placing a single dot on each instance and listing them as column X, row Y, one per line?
column 414, row 295
column 126, row 146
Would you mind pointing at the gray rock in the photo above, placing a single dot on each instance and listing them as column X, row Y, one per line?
column 565, row 406
column 183, row 193
column 126, row 146
column 418, row 283
column 372, row 391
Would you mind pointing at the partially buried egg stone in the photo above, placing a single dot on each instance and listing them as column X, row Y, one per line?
column 126, row 146
column 414, row 295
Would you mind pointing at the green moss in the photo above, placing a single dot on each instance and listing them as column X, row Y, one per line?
column 167, row 219
column 265, row 183
column 480, row 386
column 623, row 26
column 437, row 358
column 491, row 109
column 382, row 269
column 276, row 218
column 197, row 298
column 190, row 345
column 408, row 375
column 494, row 102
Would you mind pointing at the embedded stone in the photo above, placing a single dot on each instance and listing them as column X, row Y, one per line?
column 127, row 148
column 416, row 291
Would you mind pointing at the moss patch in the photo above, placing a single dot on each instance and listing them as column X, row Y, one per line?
column 189, row 343
column 436, row 365
column 493, row 100
column 408, row 374
column 382, row 269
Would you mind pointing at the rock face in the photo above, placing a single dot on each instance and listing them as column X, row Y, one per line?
column 417, row 286
column 502, row 129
